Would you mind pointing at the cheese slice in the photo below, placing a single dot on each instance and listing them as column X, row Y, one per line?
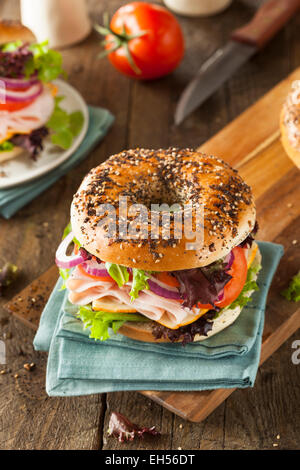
column 107, row 304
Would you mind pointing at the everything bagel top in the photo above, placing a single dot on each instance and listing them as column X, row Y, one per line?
column 113, row 217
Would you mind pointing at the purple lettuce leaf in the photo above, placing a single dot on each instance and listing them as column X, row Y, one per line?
column 250, row 239
column 123, row 429
column 32, row 142
column 202, row 285
column 12, row 64
column 187, row 333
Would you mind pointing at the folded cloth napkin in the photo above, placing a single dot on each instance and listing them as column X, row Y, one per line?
column 12, row 199
column 78, row 365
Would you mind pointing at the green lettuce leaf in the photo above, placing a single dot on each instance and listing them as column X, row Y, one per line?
column 250, row 285
column 6, row 146
column 139, row 282
column 99, row 323
column 45, row 62
column 67, row 230
column 64, row 126
column 292, row 292
column 64, row 274
column 119, row 273
column 12, row 46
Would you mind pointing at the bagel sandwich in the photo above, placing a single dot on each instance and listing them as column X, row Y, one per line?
column 29, row 108
column 133, row 272
column 290, row 124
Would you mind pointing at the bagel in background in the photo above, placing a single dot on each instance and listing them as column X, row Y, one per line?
column 11, row 31
column 290, row 124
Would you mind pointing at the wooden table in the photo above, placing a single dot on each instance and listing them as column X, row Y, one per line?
column 249, row 419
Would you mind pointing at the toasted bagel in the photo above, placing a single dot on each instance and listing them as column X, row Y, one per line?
column 163, row 176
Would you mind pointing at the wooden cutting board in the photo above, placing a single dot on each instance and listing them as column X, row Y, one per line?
column 251, row 143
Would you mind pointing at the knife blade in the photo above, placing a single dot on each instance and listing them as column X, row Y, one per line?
column 209, row 78
column 244, row 43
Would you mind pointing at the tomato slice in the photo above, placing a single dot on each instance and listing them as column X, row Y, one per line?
column 15, row 106
column 233, row 288
column 167, row 279
column 97, row 278
column 238, row 271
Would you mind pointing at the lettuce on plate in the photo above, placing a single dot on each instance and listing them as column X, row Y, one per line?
column 64, row 126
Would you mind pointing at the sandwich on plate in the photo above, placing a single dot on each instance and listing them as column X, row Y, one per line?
column 30, row 109
column 163, row 246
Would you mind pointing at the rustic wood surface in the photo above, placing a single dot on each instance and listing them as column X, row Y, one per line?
column 144, row 117
column 258, row 150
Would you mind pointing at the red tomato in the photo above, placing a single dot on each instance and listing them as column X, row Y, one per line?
column 148, row 42
column 166, row 278
column 233, row 288
column 15, row 106
column 97, row 278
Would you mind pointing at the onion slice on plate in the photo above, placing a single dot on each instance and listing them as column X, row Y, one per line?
column 12, row 96
column 18, row 83
column 62, row 259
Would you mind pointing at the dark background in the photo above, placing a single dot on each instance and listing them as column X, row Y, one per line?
column 249, row 419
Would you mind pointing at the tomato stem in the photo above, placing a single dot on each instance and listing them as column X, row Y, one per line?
column 120, row 40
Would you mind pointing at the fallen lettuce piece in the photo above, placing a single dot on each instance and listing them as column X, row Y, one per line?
column 100, row 323
column 292, row 292
column 64, row 126
column 123, row 429
column 8, row 274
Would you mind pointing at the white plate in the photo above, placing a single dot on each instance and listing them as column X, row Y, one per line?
column 22, row 169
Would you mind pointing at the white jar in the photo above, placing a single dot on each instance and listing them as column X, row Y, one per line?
column 197, row 7
column 62, row 22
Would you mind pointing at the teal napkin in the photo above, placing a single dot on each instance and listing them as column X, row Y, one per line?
column 12, row 199
column 78, row 365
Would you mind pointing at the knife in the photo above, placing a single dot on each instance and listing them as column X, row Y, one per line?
column 244, row 43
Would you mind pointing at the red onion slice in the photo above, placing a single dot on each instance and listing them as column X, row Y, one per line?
column 163, row 284
column 162, row 292
column 95, row 269
column 229, row 260
column 21, row 96
column 62, row 259
column 18, row 83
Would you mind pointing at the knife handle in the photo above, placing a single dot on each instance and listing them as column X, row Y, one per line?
column 268, row 20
